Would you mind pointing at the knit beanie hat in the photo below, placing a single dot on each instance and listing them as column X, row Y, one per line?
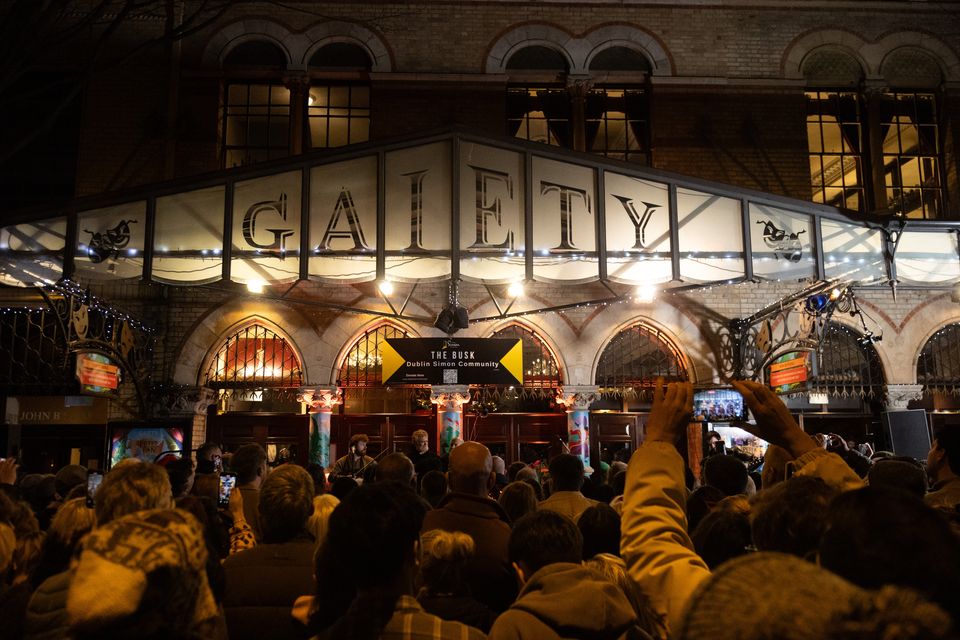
column 114, row 571
column 776, row 595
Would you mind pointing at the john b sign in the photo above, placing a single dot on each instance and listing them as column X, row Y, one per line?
column 452, row 361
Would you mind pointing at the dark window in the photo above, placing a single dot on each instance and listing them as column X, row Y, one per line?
column 256, row 123
column 256, row 53
column 636, row 357
column 338, row 114
column 341, row 55
column 619, row 59
column 537, row 58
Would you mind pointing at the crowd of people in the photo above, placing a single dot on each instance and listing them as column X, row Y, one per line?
column 822, row 542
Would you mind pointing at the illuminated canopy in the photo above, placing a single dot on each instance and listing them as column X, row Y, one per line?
column 457, row 205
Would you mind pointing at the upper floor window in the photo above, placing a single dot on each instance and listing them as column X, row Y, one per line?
column 874, row 151
column 265, row 116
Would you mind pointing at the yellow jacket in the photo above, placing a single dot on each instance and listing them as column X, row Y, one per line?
column 654, row 541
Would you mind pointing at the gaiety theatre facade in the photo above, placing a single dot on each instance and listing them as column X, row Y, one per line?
column 255, row 302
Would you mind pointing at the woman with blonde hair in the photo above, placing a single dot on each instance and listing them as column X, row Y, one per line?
column 323, row 506
column 443, row 554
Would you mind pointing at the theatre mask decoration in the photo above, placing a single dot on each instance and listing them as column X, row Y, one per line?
column 505, row 212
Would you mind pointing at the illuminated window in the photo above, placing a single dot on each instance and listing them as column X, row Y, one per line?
column 636, row 357
column 363, row 365
column 835, row 140
column 339, row 113
column 539, row 114
column 911, row 151
column 617, row 123
column 254, row 357
column 256, row 123
column 938, row 367
column 540, row 368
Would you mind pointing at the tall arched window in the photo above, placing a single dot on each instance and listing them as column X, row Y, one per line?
column 338, row 111
column 254, row 357
column 938, row 367
column 361, row 378
column 540, row 369
column 635, row 358
column 848, row 364
column 538, row 110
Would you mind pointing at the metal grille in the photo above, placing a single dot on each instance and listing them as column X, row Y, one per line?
column 540, row 370
column 363, row 366
column 847, row 364
column 254, row 357
column 938, row 367
column 33, row 350
column 635, row 358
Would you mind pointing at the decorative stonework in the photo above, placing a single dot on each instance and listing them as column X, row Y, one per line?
column 178, row 400
column 450, row 397
column 900, row 395
column 578, row 397
column 320, row 399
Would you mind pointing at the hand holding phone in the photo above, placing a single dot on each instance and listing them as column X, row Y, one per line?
column 94, row 478
column 228, row 481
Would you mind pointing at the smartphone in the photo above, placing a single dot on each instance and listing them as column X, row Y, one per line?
column 94, row 478
column 227, row 482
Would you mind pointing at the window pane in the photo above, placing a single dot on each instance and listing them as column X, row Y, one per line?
column 256, row 123
column 834, row 141
column 339, row 115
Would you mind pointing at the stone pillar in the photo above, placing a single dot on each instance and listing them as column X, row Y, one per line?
column 176, row 401
column 320, row 403
column 577, row 400
column 900, row 395
column 299, row 86
column 449, row 399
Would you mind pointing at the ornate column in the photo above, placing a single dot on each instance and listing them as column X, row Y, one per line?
column 181, row 401
column 449, row 399
column 577, row 400
column 320, row 403
column 900, row 395
column 299, row 86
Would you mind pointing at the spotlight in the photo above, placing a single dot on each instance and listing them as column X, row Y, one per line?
column 255, row 286
column 817, row 304
column 515, row 290
column 836, row 293
column 386, row 287
column 646, row 293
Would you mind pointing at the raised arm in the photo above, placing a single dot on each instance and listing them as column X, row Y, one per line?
column 654, row 541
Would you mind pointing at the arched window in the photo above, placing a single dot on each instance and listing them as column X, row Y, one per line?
column 338, row 112
column 363, row 366
column 540, row 370
column 539, row 111
column 635, row 358
column 256, row 106
column 254, row 357
column 617, row 114
column 848, row 364
column 938, row 367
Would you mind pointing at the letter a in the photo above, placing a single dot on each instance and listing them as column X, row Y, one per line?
column 355, row 232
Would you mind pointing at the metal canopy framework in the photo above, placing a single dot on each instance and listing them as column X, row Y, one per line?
column 459, row 206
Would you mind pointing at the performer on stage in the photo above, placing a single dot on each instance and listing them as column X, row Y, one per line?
column 356, row 461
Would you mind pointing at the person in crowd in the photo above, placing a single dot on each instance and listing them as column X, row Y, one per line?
column 879, row 536
column 613, row 568
column 181, row 472
column 356, row 462
column 433, row 487
column 264, row 582
column 618, row 482
column 560, row 597
column 68, row 477
column 209, row 458
column 901, row 473
column 514, row 469
column 142, row 576
column 323, row 506
column 701, row 502
column 342, row 486
column 722, row 535
column 500, row 471
column 40, row 492
column 600, row 527
column 249, row 462
column 790, row 517
column 442, row 590
column 851, row 455
column 943, row 467
column 131, row 487
column 517, row 500
column 715, row 444
column 366, row 570
column 811, row 603
column 72, row 521
column 424, row 460
column 318, row 473
column 14, row 599
column 566, row 476
column 396, row 467
column 726, row 473
column 468, row 509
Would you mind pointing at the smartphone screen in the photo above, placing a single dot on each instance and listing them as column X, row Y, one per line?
column 94, row 478
column 227, row 482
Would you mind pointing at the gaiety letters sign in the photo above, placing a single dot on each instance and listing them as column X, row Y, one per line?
column 452, row 361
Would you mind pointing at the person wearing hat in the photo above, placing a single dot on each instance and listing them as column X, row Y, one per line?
column 655, row 543
column 356, row 461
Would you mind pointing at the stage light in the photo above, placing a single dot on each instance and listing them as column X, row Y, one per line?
column 386, row 287
column 255, row 286
column 817, row 304
column 515, row 290
column 646, row 293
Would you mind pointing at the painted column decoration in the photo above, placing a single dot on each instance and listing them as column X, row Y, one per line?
column 900, row 395
column 320, row 403
column 577, row 400
column 449, row 400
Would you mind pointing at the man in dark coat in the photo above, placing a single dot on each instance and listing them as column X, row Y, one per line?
column 263, row 582
column 468, row 509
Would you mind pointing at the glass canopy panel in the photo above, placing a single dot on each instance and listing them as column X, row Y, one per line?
column 564, row 222
column 781, row 242
column 32, row 253
column 110, row 242
column 266, row 229
column 492, row 236
column 343, row 220
column 711, row 237
column 418, row 212
column 188, row 237
column 851, row 252
column 638, row 230
column 928, row 257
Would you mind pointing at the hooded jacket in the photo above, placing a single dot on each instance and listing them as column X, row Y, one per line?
column 565, row 600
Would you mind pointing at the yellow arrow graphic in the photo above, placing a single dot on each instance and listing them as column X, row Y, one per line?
column 391, row 360
column 512, row 362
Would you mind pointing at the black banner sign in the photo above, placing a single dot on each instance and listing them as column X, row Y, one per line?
column 452, row 361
